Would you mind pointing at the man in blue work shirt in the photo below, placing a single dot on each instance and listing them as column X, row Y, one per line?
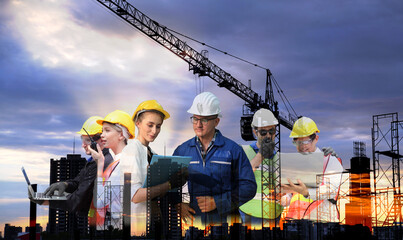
column 220, row 175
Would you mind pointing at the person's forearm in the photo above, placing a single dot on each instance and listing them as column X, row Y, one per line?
column 141, row 194
column 256, row 161
column 100, row 168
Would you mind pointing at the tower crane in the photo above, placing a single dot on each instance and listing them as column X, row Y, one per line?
column 202, row 66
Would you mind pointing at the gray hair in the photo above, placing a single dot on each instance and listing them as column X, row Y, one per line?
column 121, row 129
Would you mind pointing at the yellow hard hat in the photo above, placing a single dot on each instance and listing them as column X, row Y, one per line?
column 304, row 127
column 91, row 126
column 122, row 118
column 150, row 105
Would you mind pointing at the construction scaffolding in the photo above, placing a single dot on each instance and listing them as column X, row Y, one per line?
column 386, row 169
column 271, row 185
column 112, row 200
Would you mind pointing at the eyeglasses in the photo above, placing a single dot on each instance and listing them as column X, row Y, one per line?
column 204, row 121
column 88, row 140
column 263, row 132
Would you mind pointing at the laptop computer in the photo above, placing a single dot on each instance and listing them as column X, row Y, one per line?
column 40, row 196
column 305, row 167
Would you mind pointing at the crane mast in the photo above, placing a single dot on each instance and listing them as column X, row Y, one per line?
column 202, row 66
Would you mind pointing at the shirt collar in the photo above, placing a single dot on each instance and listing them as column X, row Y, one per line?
column 211, row 143
column 218, row 139
column 254, row 147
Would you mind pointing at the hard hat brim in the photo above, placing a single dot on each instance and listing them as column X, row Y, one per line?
column 219, row 115
column 138, row 112
column 101, row 122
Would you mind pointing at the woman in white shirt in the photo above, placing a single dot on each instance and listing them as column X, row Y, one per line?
column 148, row 118
column 117, row 128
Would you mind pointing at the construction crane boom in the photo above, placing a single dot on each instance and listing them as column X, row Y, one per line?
column 198, row 63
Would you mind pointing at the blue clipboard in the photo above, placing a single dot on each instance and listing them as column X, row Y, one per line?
column 162, row 167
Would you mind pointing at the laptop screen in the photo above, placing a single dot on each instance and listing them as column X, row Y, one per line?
column 25, row 176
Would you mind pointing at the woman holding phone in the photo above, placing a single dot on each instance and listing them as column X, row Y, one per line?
column 117, row 128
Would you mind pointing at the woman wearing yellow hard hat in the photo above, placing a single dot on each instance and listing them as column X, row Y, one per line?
column 117, row 128
column 81, row 187
column 148, row 118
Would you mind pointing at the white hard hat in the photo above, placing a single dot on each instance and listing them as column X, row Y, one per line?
column 205, row 104
column 263, row 118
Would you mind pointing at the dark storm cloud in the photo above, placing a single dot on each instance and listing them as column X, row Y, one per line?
column 330, row 58
column 334, row 60
column 338, row 62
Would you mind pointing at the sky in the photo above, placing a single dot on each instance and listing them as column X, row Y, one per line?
column 338, row 62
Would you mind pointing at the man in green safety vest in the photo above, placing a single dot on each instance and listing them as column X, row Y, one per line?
column 264, row 127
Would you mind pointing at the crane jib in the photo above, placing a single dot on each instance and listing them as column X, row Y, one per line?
column 197, row 62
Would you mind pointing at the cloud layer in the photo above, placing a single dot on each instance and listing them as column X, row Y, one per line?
column 63, row 61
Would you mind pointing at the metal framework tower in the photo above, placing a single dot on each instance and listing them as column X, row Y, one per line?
column 385, row 150
column 359, row 149
column 271, row 184
column 112, row 194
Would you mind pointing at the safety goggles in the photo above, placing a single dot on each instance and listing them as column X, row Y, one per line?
column 204, row 121
column 305, row 142
column 264, row 132
column 300, row 143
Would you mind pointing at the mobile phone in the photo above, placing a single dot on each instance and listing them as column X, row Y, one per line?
column 93, row 143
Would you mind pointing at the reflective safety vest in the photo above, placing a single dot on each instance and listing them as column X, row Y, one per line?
column 298, row 205
column 253, row 207
column 96, row 216
column 301, row 207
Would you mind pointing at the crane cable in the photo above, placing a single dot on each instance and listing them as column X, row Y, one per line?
column 214, row 48
column 282, row 93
